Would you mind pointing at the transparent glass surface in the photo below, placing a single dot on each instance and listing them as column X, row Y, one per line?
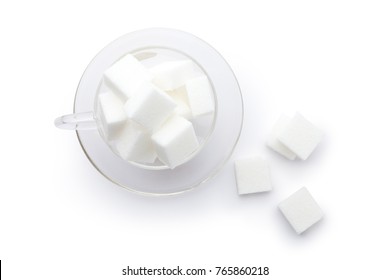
column 215, row 152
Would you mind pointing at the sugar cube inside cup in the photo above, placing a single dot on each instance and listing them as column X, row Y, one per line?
column 199, row 94
column 134, row 144
column 175, row 141
column 180, row 97
column 173, row 74
column 126, row 76
column 111, row 114
column 150, row 108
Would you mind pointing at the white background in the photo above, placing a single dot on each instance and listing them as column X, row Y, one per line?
column 330, row 60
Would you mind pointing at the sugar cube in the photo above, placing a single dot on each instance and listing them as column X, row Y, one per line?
column 175, row 141
column 300, row 136
column 200, row 96
column 126, row 76
column 181, row 99
column 273, row 141
column 252, row 175
column 111, row 114
column 134, row 144
column 301, row 210
column 150, row 107
column 172, row 74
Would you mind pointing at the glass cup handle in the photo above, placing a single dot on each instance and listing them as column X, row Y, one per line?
column 78, row 121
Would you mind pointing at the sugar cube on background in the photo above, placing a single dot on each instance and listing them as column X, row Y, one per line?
column 252, row 175
column 111, row 114
column 200, row 96
column 126, row 76
column 134, row 144
column 150, row 107
column 300, row 136
column 273, row 141
column 301, row 210
column 172, row 74
column 175, row 141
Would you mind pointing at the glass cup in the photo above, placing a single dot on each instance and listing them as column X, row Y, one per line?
column 218, row 133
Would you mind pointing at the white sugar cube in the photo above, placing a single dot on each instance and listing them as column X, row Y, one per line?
column 111, row 114
column 172, row 74
column 300, row 136
column 301, row 210
column 126, row 75
column 273, row 141
column 200, row 96
column 181, row 99
column 134, row 144
column 150, row 107
column 175, row 141
column 252, row 175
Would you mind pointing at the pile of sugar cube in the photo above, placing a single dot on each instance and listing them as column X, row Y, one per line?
column 292, row 138
column 146, row 114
